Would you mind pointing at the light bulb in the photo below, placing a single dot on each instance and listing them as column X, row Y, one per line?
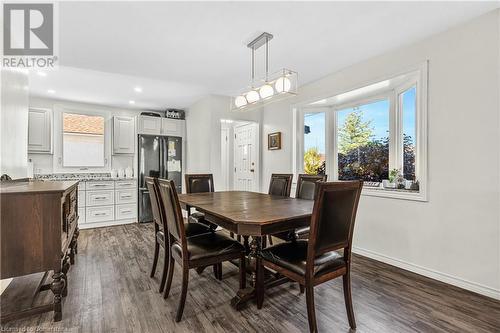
column 240, row 101
column 266, row 91
column 252, row 96
column 283, row 84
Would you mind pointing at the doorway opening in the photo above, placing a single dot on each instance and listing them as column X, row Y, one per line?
column 240, row 165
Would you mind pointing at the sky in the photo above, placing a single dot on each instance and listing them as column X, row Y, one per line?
column 377, row 112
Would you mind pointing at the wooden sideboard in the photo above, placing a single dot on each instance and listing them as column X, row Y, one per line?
column 39, row 232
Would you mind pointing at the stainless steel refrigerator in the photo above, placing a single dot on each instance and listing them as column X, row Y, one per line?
column 159, row 156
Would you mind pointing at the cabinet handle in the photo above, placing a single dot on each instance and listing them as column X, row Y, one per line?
column 100, row 198
column 99, row 214
column 126, row 196
column 98, row 185
column 126, row 211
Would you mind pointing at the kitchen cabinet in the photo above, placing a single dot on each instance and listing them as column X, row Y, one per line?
column 39, row 131
column 149, row 125
column 160, row 126
column 172, row 127
column 123, row 135
column 107, row 202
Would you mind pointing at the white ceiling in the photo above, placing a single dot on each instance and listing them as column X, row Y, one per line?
column 180, row 51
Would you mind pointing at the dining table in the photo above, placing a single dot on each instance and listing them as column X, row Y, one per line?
column 253, row 216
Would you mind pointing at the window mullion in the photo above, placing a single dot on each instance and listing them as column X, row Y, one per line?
column 395, row 133
column 331, row 144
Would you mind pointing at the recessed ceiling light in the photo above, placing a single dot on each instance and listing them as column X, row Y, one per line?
column 41, row 73
column 138, row 89
column 51, row 91
column 131, row 102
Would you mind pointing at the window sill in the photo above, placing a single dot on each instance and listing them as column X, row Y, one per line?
column 394, row 193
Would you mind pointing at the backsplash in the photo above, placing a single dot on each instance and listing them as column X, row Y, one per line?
column 77, row 176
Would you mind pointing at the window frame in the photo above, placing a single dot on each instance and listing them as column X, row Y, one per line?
column 418, row 77
column 58, row 157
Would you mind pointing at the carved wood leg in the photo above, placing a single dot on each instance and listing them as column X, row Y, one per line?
column 255, row 247
column 57, row 287
column 246, row 244
column 75, row 237
column 65, row 269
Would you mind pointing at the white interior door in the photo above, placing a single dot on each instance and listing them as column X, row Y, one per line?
column 246, row 159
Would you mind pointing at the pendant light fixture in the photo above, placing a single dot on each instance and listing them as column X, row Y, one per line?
column 271, row 88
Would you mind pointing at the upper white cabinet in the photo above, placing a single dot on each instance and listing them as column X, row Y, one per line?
column 149, row 125
column 123, row 135
column 39, row 131
column 172, row 127
column 160, row 126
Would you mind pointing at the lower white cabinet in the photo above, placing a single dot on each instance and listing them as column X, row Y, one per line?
column 100, row 214
column 125, row 196
column 126, row 212
column 107, row 202
column 100, row 198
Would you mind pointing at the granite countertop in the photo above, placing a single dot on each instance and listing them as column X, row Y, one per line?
column 81, row 177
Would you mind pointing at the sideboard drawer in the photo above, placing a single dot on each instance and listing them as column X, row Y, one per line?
column 99, row 214
column 125, row 196
column 100, row 185
column 126, row 211
column 100, row 198
column 132, row 183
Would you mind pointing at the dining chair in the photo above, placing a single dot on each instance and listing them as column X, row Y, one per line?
column 199, row 183
column 306, row 187
column 315, row 261
column 279, row 185
column 160, row 227
column 202, row 183
column 196, row 251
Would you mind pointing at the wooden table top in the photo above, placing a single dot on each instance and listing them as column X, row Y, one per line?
column 35, row 186
column 251, row 213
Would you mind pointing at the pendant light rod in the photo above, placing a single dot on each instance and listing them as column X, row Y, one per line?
column 262, row 39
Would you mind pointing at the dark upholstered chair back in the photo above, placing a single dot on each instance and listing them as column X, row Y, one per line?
column 155, row 200
column 333, row 217
column 173, row 213
column 280, row 184
column 198, row 183
column 306, row 186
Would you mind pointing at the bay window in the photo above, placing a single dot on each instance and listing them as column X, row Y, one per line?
column 376, row 133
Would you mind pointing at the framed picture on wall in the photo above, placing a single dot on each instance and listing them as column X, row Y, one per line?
column 274, row 141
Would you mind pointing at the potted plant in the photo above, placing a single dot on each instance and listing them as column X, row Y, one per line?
column 391, row 183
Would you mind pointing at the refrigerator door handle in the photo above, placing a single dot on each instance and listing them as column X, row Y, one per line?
column 160, row 142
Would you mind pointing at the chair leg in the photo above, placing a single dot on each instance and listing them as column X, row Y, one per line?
column 219, row 271
column 259, row 284
column 166, row 262
column 169, row 277
column 311, row 313
column 346, row 279
column 155, row 258
column 301, row 288
column 270, row 240
column 182, row 300
column 243, row 272
column 216, row 271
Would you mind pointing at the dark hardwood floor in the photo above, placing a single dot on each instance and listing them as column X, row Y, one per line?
column 110, row 291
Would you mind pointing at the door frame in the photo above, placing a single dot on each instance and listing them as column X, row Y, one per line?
column 256, row 186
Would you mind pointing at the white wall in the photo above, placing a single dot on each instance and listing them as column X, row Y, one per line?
column 203, row 134
column 44, row 163
column 455, row 236
column 14, row 124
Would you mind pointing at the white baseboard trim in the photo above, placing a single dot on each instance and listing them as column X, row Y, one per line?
column 430, row 273
column 104, row 224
